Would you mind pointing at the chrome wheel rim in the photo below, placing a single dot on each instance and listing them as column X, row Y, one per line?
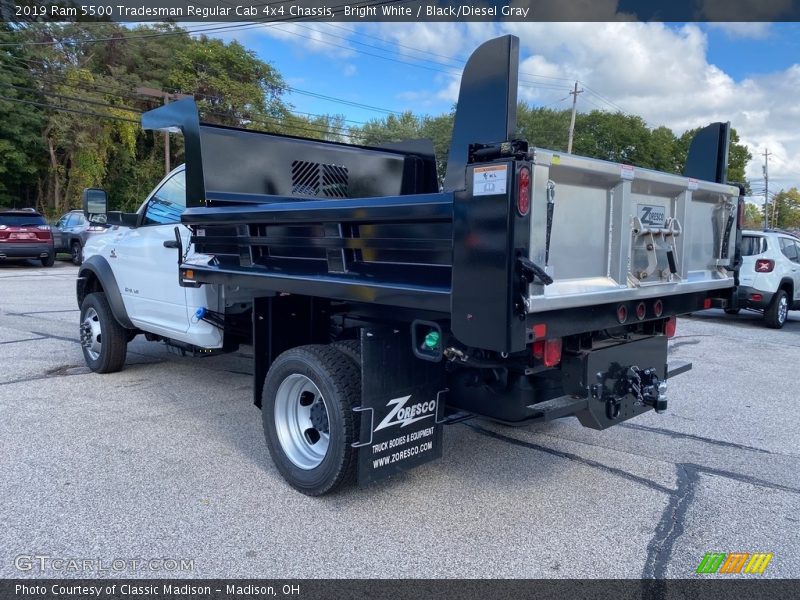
column 301, row 421
column 91, row 335
column 783, row 309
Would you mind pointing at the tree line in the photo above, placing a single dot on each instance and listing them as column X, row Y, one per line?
column 70, row 96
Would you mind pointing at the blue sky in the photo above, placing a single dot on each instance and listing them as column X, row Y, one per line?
column 679, row 75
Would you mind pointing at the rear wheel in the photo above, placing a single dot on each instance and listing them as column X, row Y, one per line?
column 309, row 424
column 103, row 340
column 76, row 252
column 732, row 311
column 778, row 310
column 350, row 348
column 49, row 260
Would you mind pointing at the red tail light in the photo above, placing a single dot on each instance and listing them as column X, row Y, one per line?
column 524, row 191
column 641, row 311
column 658, row 308
column 622, row 313
column 765, row 265
column 548, row 351
column 670, row 326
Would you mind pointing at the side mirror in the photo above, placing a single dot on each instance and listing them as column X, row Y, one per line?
column 95, row 205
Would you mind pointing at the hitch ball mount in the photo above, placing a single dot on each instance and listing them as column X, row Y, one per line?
column 618, row 382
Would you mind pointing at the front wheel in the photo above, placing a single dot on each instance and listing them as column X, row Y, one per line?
column 103, row 340
column 778, row 310
column 308, row 418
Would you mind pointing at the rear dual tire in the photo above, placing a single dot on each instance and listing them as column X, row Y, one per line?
column 308, row 418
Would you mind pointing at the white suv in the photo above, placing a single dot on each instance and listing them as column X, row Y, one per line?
column 769, row 279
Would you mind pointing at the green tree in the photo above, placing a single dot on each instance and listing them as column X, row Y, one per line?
column 784, row 209
column 21, row 148
column 753, row 217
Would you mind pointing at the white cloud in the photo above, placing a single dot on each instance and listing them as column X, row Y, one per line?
column 659, row 72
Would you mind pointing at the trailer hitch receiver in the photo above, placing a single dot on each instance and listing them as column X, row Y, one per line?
column 618, row 382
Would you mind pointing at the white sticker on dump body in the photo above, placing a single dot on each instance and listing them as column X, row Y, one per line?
column 489, row 181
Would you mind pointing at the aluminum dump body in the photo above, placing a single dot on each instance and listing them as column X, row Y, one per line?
column 620, row 233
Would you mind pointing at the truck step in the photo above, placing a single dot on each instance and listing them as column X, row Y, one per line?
column 558, row 407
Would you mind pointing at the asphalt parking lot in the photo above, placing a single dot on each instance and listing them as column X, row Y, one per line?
column 167, row 459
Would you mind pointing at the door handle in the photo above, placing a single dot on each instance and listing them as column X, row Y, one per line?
column 171, row 244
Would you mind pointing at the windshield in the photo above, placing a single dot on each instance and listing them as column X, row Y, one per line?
column 18, row 220
column 753, row 244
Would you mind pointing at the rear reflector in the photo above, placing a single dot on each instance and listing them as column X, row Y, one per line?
column 707, row 303
column 552, row 352
column 658, row 308
column 524, row 191
column 756, row 297
column 670, row 326
column 548, row 351
column 540, row 331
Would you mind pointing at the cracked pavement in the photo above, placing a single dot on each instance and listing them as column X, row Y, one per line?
column 167, row 459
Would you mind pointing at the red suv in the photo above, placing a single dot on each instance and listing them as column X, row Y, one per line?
column 25, row 234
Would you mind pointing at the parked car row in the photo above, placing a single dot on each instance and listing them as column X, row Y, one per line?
column 25, row 234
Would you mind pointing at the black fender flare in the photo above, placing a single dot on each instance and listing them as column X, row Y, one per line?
column 97, row 266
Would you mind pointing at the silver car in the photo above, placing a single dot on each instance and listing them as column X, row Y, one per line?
column 769, row 278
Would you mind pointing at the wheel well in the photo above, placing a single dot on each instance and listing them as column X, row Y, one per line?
column 91, row 285
column 788, row 287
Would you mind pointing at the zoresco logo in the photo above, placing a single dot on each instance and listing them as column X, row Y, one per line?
column 734, row 562
column 405, row 415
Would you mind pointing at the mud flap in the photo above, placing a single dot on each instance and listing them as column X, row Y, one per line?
column 401, row 407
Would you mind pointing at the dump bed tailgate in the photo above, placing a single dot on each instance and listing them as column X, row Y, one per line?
column 609, row 232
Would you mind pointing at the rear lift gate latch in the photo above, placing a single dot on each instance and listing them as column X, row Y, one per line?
column 402, row 401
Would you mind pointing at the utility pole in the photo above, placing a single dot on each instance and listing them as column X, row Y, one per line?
column 167, row 97
column 767, row 154
column 574, row 93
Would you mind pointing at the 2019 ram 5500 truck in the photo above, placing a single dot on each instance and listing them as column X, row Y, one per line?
column 531, row 285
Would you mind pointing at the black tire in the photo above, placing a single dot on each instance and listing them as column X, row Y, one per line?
column 76, row 251
column 777, row 311
column 339, row 384
column 732, row 311
column 350, row 348
column 49, row 260
column 111, row 348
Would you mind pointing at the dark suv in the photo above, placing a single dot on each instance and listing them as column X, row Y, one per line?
column 71, row 232
column 25, row 234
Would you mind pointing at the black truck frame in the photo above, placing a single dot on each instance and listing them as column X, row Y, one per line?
column 358, row 251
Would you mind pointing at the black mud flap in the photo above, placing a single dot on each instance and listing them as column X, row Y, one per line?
column 401, row 407
column 606, row 377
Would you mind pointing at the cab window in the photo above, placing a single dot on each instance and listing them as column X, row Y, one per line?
column 167, row 204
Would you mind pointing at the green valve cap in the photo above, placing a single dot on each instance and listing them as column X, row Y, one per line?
column 432, row 340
